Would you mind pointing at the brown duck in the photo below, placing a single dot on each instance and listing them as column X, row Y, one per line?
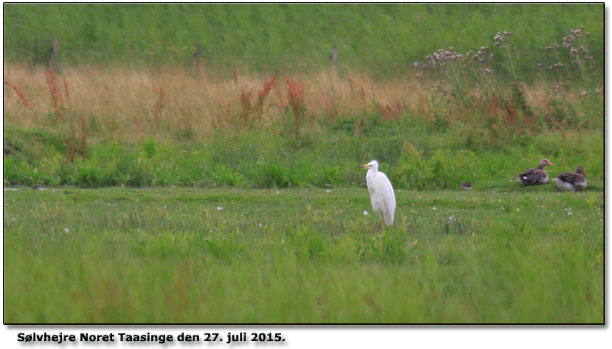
column 571, row 181
column 535, row 175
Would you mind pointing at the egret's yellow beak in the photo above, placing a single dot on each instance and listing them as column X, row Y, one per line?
column 365, row 165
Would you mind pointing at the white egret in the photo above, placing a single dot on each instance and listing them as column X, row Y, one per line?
column 381, row 192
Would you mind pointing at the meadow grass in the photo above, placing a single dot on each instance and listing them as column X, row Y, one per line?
column 302, row 256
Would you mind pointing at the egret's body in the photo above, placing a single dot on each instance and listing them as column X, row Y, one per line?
column 381, row 192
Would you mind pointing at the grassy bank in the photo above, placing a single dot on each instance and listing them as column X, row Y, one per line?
column 381, row 40
column 96, row 127
column 185, row 255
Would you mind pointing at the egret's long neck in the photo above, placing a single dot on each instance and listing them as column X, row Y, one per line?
column 371, row 172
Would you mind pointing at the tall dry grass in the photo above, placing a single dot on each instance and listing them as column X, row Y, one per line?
column 128, row 104
column 137, row 101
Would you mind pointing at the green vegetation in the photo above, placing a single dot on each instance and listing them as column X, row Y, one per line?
column 380, row 39
column 413, row 158
column 223, row 255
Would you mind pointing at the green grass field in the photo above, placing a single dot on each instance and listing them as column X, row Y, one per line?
column 526, row 255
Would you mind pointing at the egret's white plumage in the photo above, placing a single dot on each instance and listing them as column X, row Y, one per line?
column 381, row 192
